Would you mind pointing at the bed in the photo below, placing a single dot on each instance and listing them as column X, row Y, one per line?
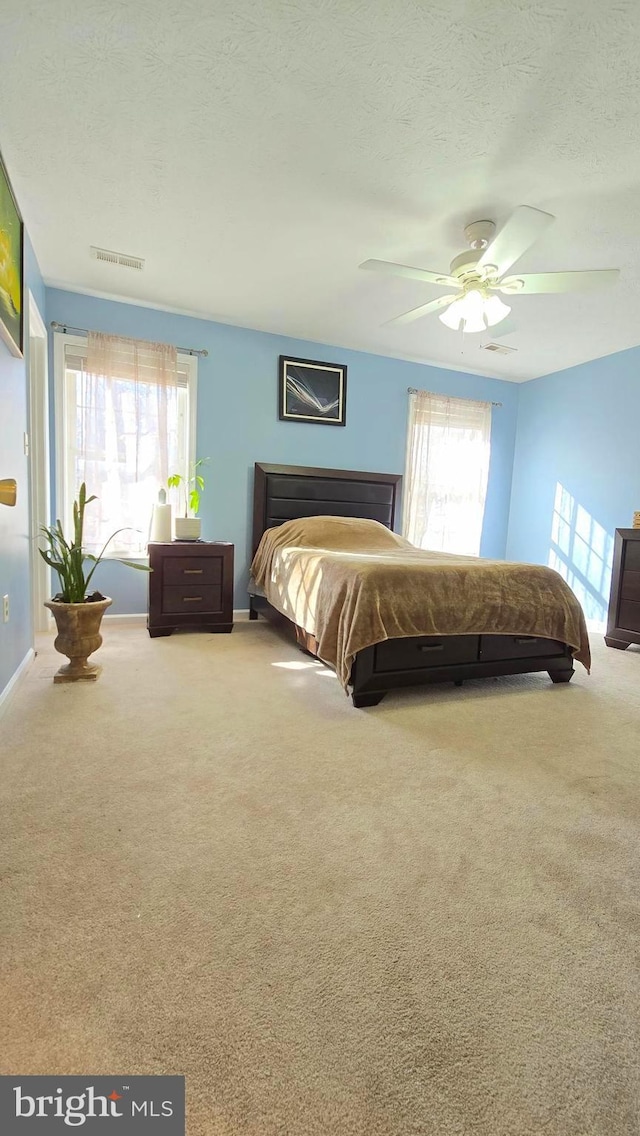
column 336, row 527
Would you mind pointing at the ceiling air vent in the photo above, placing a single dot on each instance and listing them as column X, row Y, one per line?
column 119, row 258
column 500, row 348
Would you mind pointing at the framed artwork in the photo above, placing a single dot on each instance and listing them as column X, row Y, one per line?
column 310, row 391
column 11, row 267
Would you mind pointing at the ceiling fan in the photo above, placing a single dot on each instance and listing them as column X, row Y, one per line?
column 479, row 274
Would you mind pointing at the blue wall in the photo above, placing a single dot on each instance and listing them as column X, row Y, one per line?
column 16, row 636
column 238, row 421
column 576, row 475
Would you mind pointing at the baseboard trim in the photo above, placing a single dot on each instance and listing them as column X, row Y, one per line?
column 139, row 618
column 130, row 618
column 16, row 678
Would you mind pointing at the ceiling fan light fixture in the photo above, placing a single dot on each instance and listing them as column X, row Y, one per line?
column 474, row 312
column 452, row 316
column 468, row 311
column 474, row 323
column 465, row 313
column 495, row 310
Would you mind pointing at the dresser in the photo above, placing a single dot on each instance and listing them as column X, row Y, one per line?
column 190, row 586
column 623, row 623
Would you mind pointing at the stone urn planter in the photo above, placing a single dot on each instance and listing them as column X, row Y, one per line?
column 77, row 613
column 78, row 636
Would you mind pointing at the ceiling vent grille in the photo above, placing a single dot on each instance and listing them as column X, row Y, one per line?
column 119, row 258
column 500, row 348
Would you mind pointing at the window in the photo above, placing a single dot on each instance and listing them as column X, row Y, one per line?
column 122, row 433
column 448, row 450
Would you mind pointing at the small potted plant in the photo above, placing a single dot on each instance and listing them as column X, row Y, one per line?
column 188, row 525
column 78, row 615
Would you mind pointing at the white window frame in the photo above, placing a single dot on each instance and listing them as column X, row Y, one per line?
column 39, row 445
column 187, row 364
column 416, row 480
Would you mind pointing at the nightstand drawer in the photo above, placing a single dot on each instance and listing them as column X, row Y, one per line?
column 630, row 586
column 629, row 615
column 192, row 571
column 632, row 556
column 189, row 599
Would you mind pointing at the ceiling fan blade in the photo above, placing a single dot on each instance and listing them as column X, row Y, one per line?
column 532, row 282
column 423, row 310
column 409, row 273
column 524, row 227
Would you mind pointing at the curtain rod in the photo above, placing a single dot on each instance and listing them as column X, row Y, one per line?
column 414, row 390
column 65, row 327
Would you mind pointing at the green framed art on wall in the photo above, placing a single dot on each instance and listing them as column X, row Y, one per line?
column 11, row 267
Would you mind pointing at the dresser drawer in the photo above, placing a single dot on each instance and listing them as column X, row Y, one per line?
column 425, row 651
column 494, row 647
column 192, row 570
column 630, row 586
column 629, row 615
column 191, row 599
column 631, row 556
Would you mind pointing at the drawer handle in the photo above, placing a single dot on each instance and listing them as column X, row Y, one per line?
column 431, row 647
column 193, row 571
column 192, row 599
column 524, row 638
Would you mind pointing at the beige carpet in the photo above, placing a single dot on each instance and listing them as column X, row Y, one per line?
column 417, row 918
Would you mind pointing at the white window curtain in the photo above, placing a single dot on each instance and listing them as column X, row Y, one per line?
column 125, row 436
column 445, row 486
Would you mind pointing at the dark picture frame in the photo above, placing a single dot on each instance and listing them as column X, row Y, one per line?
column 312, row 391
column 11, row 267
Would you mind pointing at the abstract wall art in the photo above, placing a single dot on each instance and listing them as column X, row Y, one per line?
column 310, row 391
column 11, row 266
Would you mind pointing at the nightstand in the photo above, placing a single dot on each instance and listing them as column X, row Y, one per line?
column 190, row 586
column 623, row 624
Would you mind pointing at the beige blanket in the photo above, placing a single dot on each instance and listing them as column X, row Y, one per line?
column 352, row 583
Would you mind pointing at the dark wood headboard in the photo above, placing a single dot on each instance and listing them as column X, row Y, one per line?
column 285, row 492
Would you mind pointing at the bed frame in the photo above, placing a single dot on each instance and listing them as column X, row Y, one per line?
column 286, row 492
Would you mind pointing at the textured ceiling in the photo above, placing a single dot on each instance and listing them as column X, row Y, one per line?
column 255, row 153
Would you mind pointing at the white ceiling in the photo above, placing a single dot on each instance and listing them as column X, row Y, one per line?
column 256, row 153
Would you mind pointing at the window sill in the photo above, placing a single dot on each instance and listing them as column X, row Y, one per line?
column 138, row 558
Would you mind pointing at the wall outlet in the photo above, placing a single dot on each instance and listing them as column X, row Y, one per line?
column 5, row 609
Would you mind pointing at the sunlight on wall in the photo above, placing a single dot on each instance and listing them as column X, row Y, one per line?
column 582, row 552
